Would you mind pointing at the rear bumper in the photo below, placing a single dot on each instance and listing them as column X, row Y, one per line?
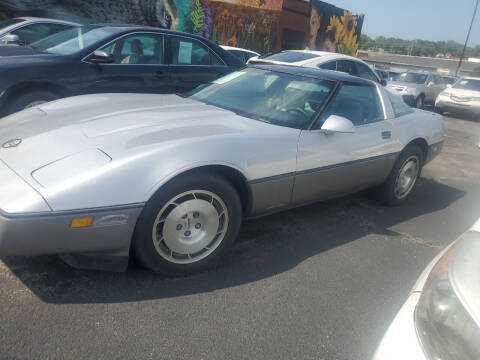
column 109, row 235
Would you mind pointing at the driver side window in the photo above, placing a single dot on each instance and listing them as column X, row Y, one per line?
column 138, row 49
column 358, row 103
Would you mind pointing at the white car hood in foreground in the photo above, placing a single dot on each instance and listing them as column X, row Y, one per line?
column 112, row 149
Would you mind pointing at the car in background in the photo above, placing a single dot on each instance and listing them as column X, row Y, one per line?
column 26, row 30
column 441, row 317
column 171, row 177
column 100, row 58
column 242, row 54
column 382, row 74
column 321, row 60
column 462, row 98
column 393, row 75
column 449, row 80
column 418, row 87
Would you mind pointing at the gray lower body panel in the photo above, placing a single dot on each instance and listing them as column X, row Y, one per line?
column 331, row 181
column 109, row 235
column 271, row 194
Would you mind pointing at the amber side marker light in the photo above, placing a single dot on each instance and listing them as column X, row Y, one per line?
column 81, row 222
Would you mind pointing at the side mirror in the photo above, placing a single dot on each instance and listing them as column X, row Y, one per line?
column 337, row 124
column 10, row 39
column 449, row 86
column 101, row 57
column 430, row 84
column 383, row 82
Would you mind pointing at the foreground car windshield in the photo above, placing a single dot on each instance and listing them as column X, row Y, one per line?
column 412, row 78
column 72, row 40
column 468, row 84
column 269, row 96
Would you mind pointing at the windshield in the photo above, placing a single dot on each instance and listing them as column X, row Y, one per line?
column 468, row 84
column 268, row 96
column 9, row 22
column 448, row 80
column 415, row 78
column 290, row 56
column 72, row 40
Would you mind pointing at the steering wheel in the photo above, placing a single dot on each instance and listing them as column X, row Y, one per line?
column 298, row 111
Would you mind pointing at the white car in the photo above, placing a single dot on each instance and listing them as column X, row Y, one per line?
column 94, row 176
column 463, row 97
column 242, row 54
column 321, row 60
column 27, row 30
column 441, row 317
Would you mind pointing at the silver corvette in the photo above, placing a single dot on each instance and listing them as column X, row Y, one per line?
column 169, row 178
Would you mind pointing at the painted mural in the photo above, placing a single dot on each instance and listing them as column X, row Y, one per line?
column 333, row 29
column 250, row 24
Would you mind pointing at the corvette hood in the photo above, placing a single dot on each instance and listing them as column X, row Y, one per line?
column 114, row 124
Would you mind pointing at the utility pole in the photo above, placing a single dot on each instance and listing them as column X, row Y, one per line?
column 466, row 40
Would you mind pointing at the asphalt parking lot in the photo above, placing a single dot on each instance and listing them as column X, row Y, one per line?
column 318, row 282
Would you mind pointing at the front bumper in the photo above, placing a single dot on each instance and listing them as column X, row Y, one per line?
column 445, row 104
column 400, row 341
column 109, row 235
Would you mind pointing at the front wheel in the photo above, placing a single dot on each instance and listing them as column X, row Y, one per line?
column 404, row 176
column 188, row 225
column 420, row 102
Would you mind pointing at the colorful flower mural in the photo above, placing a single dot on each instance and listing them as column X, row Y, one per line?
column 251, row 24
column 333, row 29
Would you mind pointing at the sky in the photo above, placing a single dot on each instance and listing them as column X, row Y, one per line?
column 417, row 19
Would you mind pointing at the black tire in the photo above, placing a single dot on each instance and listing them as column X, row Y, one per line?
column 25, row 99
column 420, row 102
column 143, row 243
column 388, row 192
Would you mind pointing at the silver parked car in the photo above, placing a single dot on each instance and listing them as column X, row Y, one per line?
column 417, row 87
column 27, row 30
column 441, row 317
column 463, row 97
column 94, row 176
column 321, row 60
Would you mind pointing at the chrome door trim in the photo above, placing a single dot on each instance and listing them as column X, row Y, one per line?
column 382, row 102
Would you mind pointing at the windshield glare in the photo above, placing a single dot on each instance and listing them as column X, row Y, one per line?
column 290, row 56
column 72, row 40
column 412, row 78
column 468, row 84
column 269, row 96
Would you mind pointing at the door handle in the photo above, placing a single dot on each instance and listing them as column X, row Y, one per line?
column 386, row 135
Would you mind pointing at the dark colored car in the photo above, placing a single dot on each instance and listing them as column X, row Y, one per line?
column 101, row 58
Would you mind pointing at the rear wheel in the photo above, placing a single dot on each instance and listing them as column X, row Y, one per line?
column 188, row 225
column 31, row 99
column 404, row 176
